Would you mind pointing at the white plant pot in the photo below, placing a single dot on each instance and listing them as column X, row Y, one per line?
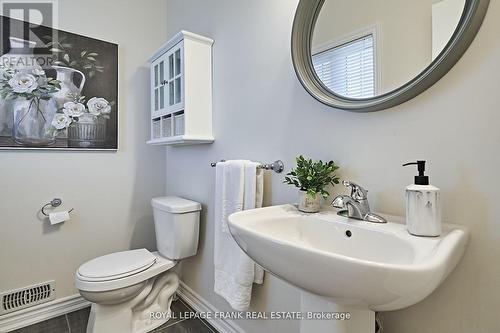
column 308, row 203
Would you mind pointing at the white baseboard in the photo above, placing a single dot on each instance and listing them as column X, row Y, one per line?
column 41, row 312
column 200, row 304
column 58, row 307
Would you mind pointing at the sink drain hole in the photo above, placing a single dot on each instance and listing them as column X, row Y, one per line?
column 348, row 233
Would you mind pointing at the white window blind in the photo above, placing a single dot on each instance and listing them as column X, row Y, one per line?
column 348, row 69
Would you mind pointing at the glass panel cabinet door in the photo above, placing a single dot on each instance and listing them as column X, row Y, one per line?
column 167, row 93
column 175, row 64
column 159, row 85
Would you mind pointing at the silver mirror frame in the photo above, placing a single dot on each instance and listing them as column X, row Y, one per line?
column 303, row 27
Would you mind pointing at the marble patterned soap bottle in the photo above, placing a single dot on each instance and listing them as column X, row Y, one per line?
column 423, row 207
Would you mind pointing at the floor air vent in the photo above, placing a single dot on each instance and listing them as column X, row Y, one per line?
column 22, row 298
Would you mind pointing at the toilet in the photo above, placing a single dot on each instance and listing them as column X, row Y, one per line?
column 131, row 291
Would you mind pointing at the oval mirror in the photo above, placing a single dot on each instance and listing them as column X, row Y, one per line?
column 368, row 55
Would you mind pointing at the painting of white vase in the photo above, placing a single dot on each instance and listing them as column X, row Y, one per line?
column 32, row 122
column 66, row 75
column 61, row 94
column 20, row 50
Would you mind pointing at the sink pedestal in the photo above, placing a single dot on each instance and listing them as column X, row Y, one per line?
column 316, row 308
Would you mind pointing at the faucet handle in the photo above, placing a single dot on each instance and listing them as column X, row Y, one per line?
column 357, row 192
column 338, row 202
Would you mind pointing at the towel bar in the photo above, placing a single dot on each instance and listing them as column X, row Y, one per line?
column 276, row 166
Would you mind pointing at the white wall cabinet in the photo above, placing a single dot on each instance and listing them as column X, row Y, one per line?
column 181, row 91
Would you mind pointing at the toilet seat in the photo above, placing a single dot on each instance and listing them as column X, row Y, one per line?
column 120, row 269
column 116, row 265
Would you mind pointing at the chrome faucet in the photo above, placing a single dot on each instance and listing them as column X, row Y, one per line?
column 356, row 205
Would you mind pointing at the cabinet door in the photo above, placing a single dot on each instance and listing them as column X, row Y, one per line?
column 175, row 77
column 159, row 85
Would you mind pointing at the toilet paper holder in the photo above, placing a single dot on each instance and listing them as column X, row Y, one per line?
column 56, row 202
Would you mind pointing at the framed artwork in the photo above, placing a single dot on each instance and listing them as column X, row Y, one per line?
column 58, row 90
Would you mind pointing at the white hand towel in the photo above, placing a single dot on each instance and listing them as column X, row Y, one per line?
column 238, row 186
column 229, row 187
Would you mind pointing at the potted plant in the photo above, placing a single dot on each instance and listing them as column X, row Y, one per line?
column 86, row 125
column 312, row 178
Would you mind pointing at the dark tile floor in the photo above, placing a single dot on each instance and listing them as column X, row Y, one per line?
column 76, row 322
column 179, row 325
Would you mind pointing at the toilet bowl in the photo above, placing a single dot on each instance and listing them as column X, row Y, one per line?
column 129, row 289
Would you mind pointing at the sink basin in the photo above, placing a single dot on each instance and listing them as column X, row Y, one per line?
column 356, row 264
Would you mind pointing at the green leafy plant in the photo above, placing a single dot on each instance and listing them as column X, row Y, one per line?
column 313, row 177
column 66, row 54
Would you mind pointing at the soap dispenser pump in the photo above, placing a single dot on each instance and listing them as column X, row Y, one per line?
column 423, row 208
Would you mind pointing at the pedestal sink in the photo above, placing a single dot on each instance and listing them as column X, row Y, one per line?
column 344, row 265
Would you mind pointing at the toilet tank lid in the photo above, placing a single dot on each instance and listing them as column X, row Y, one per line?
column 176, row 205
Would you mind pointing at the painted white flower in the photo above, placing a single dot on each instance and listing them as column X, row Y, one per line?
column 61, row 121
column 38, row 71
column 72, row 109
column 98, row 106
column 23, row 83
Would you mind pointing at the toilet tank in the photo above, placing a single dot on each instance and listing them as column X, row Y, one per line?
column 177, row 223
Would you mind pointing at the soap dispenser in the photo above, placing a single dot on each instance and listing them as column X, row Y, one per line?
column 423, row 208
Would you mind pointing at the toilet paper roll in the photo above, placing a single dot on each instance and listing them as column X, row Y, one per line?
column 59, row 217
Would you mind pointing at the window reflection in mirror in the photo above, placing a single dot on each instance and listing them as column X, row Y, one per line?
column 361, row 49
